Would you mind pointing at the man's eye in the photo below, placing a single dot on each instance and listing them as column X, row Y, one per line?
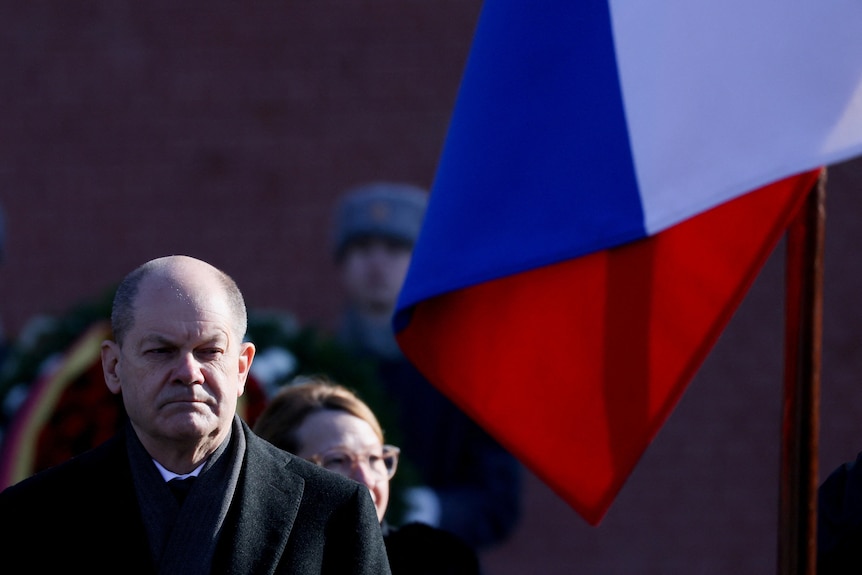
column 158, row 351
column 211, row 352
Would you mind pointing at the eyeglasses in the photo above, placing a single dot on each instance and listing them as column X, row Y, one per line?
column 383, row 465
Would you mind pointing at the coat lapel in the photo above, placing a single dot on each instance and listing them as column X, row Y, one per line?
column 268, row 503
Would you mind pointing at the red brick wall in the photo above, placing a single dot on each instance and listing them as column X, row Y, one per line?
column 217, row 129
column 130, row 130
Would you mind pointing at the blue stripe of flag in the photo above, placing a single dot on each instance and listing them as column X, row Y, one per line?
column 537, row 165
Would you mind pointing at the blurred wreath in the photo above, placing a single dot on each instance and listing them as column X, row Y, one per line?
column 54, row 403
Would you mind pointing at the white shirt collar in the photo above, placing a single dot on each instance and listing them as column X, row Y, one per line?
column 168, row 475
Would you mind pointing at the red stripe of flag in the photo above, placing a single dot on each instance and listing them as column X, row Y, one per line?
column 574, row 367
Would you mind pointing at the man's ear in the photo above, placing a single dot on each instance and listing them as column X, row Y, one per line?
column 110, row 361
column 246, row 356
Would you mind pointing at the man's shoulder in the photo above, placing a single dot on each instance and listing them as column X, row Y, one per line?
column 843, row 486
column 69, row 476
column 268, row 462
column 68, row 500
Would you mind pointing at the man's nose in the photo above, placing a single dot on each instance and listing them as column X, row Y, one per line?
column 188, row 369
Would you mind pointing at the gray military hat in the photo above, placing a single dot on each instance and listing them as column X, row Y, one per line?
column 380, row 209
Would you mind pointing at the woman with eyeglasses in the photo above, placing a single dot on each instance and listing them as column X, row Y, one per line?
column 327, row 424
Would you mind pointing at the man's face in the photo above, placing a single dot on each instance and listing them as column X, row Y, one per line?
column 373, row 270
column 181, row 367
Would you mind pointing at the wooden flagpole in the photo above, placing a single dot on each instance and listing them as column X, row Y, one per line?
column 801, row 405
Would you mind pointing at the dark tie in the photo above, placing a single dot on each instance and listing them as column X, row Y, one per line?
column 180, row 487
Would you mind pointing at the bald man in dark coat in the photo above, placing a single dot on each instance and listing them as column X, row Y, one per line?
column 179, row 362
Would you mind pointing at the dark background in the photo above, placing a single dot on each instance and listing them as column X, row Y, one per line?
column 225, row 131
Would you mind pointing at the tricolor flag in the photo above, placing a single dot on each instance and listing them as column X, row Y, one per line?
column 616, row 172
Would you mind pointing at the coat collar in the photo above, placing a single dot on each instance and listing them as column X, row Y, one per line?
column 269, row 494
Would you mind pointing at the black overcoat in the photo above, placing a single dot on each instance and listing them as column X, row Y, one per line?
column 287, row 516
